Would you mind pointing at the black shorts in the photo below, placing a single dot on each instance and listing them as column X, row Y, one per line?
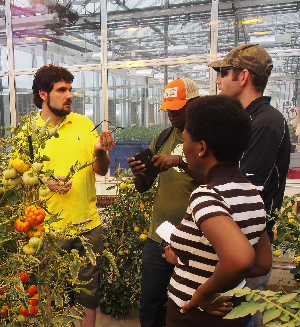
column 88, row 272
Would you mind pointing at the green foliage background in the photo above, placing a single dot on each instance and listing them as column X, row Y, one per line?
column 124, row 221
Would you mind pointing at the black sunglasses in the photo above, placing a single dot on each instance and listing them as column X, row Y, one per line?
column 224, row 71
column 118, row 127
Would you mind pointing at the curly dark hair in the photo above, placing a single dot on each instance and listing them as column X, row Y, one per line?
column 44, row 79
column 222, row 123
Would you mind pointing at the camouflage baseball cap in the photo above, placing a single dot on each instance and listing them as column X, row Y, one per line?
column 246, row 56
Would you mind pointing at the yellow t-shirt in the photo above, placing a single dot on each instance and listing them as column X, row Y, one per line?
column 75, row 142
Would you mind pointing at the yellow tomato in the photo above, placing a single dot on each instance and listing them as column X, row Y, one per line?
column 123, row 186
column 143, row 237
column 20, row 165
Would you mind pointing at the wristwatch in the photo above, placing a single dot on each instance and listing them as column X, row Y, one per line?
column 182, row 162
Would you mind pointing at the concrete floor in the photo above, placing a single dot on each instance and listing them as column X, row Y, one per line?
column 102, row 320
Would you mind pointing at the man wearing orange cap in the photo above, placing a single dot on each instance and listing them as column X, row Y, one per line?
column 176, row 183
column 244, row 73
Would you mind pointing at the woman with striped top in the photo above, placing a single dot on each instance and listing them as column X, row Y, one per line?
column 222, row 238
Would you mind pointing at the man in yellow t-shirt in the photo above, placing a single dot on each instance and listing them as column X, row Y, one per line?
column 77, row 198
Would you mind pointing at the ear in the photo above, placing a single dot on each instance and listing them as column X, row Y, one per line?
column 202, row 147
column 43, row 95
column 245, row 76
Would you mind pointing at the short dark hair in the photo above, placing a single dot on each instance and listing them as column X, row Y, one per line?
column 259, row 82
column 222, row 123
column 44, row 79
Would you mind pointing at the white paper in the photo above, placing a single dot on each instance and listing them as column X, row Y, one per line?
column 165, row 230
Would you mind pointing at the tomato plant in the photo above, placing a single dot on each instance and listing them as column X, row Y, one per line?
column 23, row 255
column 124, row 219
column 22, row 224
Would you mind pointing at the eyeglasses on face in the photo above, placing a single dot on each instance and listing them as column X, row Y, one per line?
column 224, row 71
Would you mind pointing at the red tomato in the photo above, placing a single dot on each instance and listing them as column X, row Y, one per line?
column 33, row 300
column 33, row 310
column 3, row 290
column 3, row 311
column 32, row 289
column 24, row 311
column 24, row 277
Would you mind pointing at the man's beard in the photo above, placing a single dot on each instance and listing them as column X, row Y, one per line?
column 59, row 112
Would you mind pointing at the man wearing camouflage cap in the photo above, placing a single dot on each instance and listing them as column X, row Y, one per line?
column 244, row 73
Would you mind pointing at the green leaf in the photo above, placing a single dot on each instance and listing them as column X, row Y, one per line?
column 59, row 300
column 45, row 158
column 243, row 310
column 64, row 319
column 271, row 314
column 280, row 234
column 286, row 298
column 285, row 317
column 74, row 268
column 290, row 324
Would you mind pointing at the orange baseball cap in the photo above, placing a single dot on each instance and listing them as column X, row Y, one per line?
column 178, row 92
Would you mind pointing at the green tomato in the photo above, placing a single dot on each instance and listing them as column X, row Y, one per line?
column 276, row 253
column 36, row 166
column 10, row 173
column 130, row 186
column 22, row 318
column 34, row 242
column 121, row 252
column 123, row 186
column 137, row 229
column 30, row 178
column 5, row 182
column 15, row 181
column 44, row 190
column 27, row 249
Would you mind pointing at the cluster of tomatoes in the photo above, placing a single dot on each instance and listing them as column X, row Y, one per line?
column 31, row 223
column 20, row 171
column 32, row 302
column 34, row 216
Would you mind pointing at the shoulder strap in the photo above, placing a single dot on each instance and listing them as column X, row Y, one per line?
column 163, row 136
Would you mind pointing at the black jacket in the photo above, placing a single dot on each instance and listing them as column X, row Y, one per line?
column 266, row 162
